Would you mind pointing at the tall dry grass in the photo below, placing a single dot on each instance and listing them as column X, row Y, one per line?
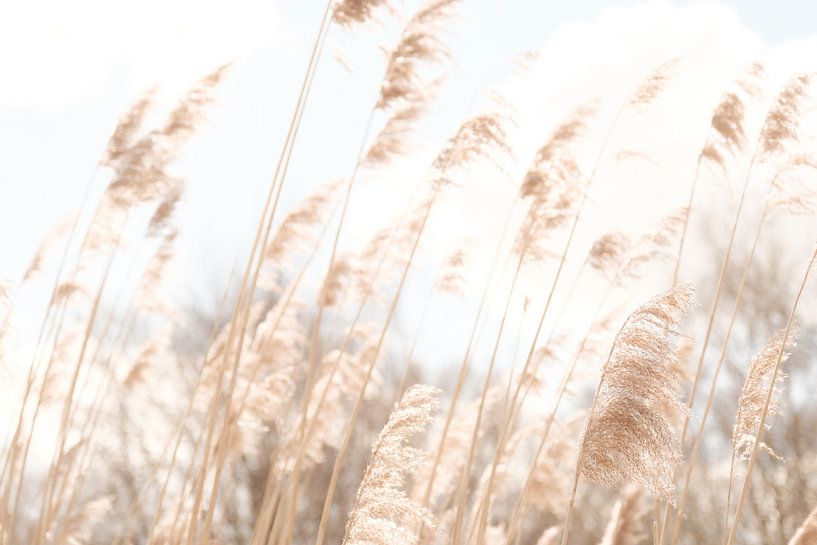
column 291, row 415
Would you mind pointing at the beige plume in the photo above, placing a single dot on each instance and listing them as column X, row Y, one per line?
column 629, row 436
column 383, row 513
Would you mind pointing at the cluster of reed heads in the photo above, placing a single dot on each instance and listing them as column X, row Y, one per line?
column 288, row 418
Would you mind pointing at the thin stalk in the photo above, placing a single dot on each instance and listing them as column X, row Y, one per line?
column 359, row 402
column 710, row 398
column 713, row 310
column 557, row 276
column 13, row 442
column 464, row 365
column 520, row 502
column 761, row 426
column 466, row 470
column 580, row 458
column 259, row 242
column 62, row 435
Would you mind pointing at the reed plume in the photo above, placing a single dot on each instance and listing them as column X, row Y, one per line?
column 392, row 140
column 451, row 278
column 383, row 513
column 653, row 85
column 554, row 162
column 302, row 226
column 609, row 251
column 767, row 404
column 792, row 189
column 126, row 129
column 140, row 173
column 335, row 282
column 155, row 348
column 482, row 136
column 148, row 294
column 726, row 136
column 783, row 119
column 420, row 43
column 351, row 12
column 753, row 394
column 727, row 123
column 629, row 436
column 552, row 186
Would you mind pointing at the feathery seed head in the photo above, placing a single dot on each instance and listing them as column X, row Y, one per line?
column 629, row 435
column 480, row 137
column 654, row 85
column 420, row 43
column 392, row 140
column 451, row 277
column 383, row 513
column 783, row 119
column 608, row 251
column 351, row 12
column 129, row 124
column 755, row 390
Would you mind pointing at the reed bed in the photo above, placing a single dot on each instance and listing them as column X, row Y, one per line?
column 611, row 386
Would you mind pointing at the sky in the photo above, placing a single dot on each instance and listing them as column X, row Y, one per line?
column 70, row 70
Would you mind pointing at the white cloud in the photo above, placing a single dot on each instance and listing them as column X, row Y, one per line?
column 54, row 53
